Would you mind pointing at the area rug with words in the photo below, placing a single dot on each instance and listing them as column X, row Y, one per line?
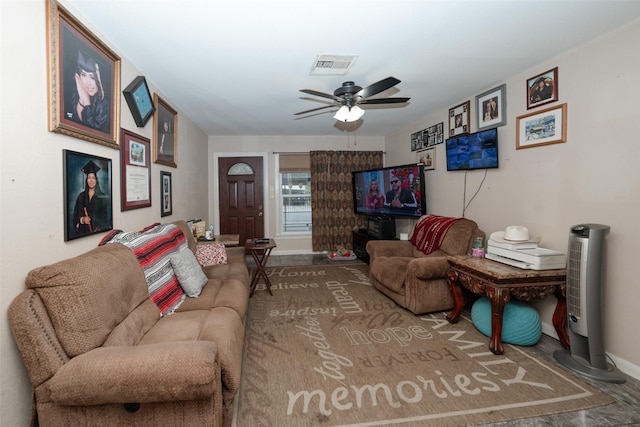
column 328, row 349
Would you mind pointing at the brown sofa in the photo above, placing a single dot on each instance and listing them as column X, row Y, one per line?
column 98, row 352
column 414, row 280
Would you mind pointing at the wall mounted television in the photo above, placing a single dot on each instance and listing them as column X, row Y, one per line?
column 401, row 191
column 473, row 151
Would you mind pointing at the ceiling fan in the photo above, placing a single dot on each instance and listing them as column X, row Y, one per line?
column 349, row 96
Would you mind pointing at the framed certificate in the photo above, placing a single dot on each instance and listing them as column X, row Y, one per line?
column 135, row 164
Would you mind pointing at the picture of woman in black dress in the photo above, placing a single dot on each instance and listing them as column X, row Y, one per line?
column 90, row 210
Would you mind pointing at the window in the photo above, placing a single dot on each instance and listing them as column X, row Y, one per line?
column 295, row 193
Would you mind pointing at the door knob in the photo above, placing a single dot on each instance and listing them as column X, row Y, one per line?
column 260, row 213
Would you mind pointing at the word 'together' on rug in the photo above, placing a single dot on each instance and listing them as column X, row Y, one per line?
column 328, row 349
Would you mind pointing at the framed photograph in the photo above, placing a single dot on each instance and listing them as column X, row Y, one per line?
column 139, row 100
column 434, row 135
column 542, row 89
column 166, row 196
column 427, row 158
column 83, row 81
column 87, row 195
column 165, row 133
column 542, row 127
column 459, row 119
column 135, row 171
column 417, row 140
column 491, row 108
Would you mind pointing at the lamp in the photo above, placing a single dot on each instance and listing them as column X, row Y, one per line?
column 349, row 114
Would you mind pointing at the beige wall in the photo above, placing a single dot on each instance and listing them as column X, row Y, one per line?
column 592, row 178
column 31, row 194
column 265, row 146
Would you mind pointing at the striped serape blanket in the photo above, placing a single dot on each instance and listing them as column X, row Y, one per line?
column 153, row 247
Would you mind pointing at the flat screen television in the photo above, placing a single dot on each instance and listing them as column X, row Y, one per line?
column 401, row 191
column 473, row 151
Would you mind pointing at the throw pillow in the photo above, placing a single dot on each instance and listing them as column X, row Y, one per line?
column 211, row 254
column 189, row 272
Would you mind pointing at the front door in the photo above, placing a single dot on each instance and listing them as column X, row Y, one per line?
column 241, row 197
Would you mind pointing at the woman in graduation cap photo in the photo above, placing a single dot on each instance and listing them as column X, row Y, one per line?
column 88, row 104
column 89, row 213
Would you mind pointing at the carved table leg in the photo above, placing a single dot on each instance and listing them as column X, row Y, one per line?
column 498, row 298
column 458, row 298
column 560, row 317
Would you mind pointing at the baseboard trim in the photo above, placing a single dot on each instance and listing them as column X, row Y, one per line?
column 623, row 365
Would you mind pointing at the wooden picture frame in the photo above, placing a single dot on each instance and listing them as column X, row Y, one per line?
column 139, row 100
column 427, row 158
column 165, row 133
column 166, row 194
column 542, row 89
column 491, row 108
column 83, row 81
column 88, row 207
column 459, row 118
column 544, row 127
column 135, row 171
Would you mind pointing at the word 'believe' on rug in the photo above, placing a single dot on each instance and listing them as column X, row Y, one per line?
column 329, row 349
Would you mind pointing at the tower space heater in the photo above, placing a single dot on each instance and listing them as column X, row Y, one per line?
column 584, row 292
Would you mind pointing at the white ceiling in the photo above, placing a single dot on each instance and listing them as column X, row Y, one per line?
column 236, row 67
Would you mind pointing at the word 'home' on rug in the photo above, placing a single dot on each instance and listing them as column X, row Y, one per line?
column 328, row 349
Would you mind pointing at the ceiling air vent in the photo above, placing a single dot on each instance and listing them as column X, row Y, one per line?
column 332, row 65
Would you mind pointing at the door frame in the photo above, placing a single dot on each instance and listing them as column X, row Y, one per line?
column 214, row 207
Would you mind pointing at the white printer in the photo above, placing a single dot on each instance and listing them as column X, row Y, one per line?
column 514, row 247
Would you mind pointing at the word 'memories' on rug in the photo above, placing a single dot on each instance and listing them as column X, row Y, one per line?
column 329, row 349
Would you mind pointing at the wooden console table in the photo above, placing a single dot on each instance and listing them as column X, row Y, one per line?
column 501, row 281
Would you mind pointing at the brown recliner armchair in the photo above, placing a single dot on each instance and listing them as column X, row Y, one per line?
column 414, row 280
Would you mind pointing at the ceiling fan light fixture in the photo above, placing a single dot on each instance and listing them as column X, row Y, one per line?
column 349, row 114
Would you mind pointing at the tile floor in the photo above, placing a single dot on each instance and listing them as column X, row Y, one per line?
column 625, row 412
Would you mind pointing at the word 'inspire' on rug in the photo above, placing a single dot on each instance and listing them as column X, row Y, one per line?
column 329, row 349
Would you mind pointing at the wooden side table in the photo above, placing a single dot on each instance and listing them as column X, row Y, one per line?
column 499, row 282
column 260, row 253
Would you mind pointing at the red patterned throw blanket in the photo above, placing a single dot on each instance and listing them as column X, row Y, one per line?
column 153, row 247
column 429, row 232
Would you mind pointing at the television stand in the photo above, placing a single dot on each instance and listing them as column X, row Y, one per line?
column 381, row 227
column 359, row 242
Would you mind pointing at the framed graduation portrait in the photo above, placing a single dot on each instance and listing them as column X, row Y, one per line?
column 83, row 80
column 165, row 133
column 88, row 207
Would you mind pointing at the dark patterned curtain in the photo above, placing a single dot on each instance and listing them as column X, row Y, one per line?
column 331, row 197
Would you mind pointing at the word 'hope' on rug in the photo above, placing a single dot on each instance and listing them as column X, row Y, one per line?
column 328, row 349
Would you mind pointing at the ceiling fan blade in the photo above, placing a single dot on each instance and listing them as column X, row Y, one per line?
column 315, row 114
column 322, row 94
column 377, row 87
column 383, row 101
column 313, row 109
